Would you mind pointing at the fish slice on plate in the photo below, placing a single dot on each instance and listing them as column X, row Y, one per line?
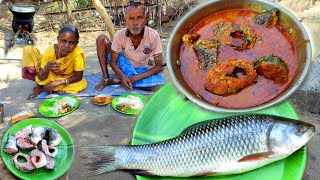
column 51, row 150
column 11, row 145
column 26, row 166
column 40, row 141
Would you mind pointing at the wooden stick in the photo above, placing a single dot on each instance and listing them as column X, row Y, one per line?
column 105, row 17
column 12, row 42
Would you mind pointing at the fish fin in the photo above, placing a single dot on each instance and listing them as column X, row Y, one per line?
column 194, row 126
column 143, row 173
column 255, row 157
column 97, row 159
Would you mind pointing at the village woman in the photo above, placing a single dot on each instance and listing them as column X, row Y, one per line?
column 60, row 68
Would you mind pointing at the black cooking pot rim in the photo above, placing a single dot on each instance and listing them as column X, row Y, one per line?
column 25, row 8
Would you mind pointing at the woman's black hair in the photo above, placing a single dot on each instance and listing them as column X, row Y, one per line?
column 70, row 28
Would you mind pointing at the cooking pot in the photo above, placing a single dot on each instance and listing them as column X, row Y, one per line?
column 23, row 11
column 23, row 15
column 287, row 19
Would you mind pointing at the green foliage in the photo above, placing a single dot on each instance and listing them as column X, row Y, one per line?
column 54, row 7
column 81, row 4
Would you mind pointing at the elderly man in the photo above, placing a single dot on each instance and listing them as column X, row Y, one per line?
column 129, row 53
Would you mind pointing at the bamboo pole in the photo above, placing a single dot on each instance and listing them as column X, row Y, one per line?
column 105, row 17
column 159, row 9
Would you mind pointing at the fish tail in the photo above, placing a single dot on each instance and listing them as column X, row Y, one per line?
column 97, row 160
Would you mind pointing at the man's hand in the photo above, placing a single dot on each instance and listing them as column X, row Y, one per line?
column 51, row 85
column 125, row 82
column 52, row 66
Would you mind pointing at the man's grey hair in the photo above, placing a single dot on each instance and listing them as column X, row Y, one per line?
column 135, row 4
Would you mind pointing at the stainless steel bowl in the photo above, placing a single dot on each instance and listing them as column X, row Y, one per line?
column 204, row 10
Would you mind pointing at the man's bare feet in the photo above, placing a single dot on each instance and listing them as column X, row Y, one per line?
column 36, row 91
column 61, row 92
column 106, row 82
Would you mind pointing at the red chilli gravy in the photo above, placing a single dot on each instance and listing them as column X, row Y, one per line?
column 275, row 40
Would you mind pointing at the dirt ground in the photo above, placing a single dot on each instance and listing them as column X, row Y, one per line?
column 108, row 127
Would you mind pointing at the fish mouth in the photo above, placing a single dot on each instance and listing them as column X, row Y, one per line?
column 309, row 134
column 311, row 131
column 305, row 124
column 313, row 128
column 310, row 127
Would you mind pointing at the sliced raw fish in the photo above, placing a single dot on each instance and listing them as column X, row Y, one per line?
column 50, row 163
column 24, row 132
column 38, row 158
column 38, row 133
column 25, row 143
column 23, row 166
column 11, row 145
column 53, row 137
column 48, row 150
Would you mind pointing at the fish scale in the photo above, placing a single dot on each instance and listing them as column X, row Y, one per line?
column 203, row 147
column 223, row 146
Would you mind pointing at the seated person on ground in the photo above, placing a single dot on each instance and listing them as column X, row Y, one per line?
column 60, row 68
column 129, row 53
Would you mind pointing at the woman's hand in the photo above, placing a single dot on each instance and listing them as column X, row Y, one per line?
column 52, row 66
column 51, row 85
column 125, row 82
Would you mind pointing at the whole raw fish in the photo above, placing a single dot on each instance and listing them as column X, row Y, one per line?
column 215, row 147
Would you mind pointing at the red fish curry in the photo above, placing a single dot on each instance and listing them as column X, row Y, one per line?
column 274, row 40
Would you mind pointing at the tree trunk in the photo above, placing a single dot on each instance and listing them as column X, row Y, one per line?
column 68, row 4
column 159, row 10
column 105, row 17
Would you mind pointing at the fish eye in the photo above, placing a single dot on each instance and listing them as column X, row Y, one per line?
column 299, row 130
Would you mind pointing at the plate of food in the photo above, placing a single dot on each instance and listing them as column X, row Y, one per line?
column 59, row 106
column 129, row 103
column 102, row 99
column 165, row 118
column 49, row 159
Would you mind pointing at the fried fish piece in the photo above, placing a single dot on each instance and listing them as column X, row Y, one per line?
column 268, row 18
column 207, row 52
column 235, row 35
column 190, row 39
column 272, row 67
column 228, row 77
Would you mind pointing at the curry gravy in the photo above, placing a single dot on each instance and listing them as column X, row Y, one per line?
column 275, row 40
